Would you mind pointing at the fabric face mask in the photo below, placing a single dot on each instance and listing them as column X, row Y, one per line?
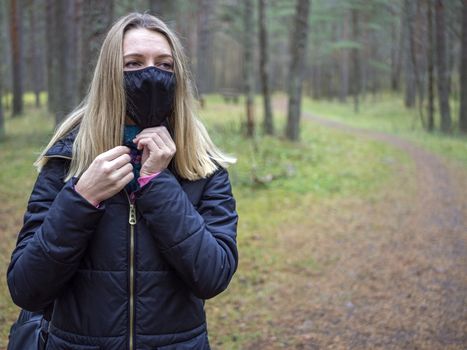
column 149, row 95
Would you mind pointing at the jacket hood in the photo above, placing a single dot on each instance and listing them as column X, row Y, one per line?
column 64, row 146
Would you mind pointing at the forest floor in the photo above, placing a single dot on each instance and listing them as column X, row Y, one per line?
column 361, row 243
column 392, row 270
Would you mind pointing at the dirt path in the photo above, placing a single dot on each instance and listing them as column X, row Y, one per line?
column 393, row 272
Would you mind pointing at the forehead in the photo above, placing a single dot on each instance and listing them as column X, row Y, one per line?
column 145, row 41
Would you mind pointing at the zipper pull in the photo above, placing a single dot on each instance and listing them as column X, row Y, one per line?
column 132, row 218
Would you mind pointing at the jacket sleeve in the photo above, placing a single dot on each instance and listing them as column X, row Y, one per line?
column 57, row 226
column 199, row 243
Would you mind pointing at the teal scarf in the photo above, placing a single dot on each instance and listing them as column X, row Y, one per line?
column 129, row 133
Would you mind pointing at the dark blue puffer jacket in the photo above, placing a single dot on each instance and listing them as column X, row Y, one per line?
column 118, row 280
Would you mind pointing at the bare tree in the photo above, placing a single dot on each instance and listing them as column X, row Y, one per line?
column 442, row 68
column 52, row 56
column 355, row 59
column 249, row 66
column 16, row 33
column 66, row 64
column 204, row 50
column 344, row 62
column 430, row 52
column 96, row 18
column 2, row 49
column 268, row 123
column 2, row 118
column 416, row 50
column 410, row 79
column 463, row 72
column 397, row 33
column 34, row 52
column 298, row 53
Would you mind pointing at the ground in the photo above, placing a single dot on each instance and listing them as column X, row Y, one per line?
column 392, row 270
column 384, row 270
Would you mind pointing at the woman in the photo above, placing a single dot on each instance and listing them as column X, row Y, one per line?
column 131, row 224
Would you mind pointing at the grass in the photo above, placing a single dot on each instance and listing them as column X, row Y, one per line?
column 325, row 165
column 25, row 137
column 274, row 182
column 387, row 113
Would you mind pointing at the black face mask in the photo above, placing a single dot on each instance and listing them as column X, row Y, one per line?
column 149, row 95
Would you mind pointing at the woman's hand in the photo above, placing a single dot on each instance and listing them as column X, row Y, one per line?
column 158, row 149
column 107, row 175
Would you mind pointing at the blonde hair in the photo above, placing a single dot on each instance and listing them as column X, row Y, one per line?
column 101, row 115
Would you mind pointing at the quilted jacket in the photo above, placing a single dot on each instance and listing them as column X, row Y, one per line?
column 124, row 275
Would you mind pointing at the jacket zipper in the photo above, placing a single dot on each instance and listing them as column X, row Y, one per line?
column 132, row 221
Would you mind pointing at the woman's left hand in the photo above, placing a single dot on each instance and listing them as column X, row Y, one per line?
column 158, row 149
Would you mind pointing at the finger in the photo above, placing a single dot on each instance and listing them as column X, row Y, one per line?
column 113, row 153
column 149, row 131
column 167, row 139
column 125, row 180
column 141, row 143
column 150, row 144
column 160, row 142
column 161, row 137
column 145, row 133
column 120, row 161
column 122, row 172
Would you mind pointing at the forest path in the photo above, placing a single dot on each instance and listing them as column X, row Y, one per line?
column 392, row 271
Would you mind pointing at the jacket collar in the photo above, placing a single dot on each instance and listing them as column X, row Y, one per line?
column 63, row 148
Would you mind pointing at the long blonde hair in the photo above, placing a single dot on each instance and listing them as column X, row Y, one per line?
column 101, row 115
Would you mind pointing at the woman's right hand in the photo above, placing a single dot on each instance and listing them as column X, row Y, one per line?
column 106, row 176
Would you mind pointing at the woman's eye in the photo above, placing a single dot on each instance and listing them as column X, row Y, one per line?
column 131, row 64
column 166, row 66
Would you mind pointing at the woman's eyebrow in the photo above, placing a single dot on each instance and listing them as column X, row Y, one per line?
column 163, row 55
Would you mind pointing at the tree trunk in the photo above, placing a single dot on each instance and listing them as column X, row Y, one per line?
column 2, row 47
column 162, row 8
column 204, row 51
column 415, row 52
column 66, row 93
column 344, row 63
column 463, row 72
column 2, row 119
column 249, row 67
column 410, row 83
column 298, row 54
column 34, row 54
column 96, row 19
column 52, row 56
column 441, row 66
column 2, row 70
column 430, row 52
column 268, row 124
column 316, row 82
column 17, row 55
column 396, row 55
column 355, row 60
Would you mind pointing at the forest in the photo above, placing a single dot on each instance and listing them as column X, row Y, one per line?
column 336, row 50
column 348, row 119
